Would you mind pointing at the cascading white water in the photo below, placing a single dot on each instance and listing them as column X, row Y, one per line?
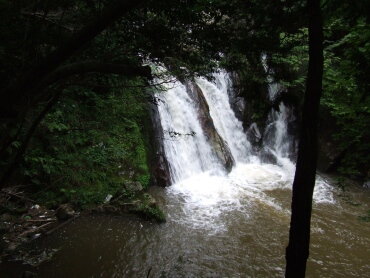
column 227, row 125
column 208, row 194
column 276, row 137
column 187, row 155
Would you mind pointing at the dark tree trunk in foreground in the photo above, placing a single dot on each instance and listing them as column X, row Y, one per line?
column 297, row 251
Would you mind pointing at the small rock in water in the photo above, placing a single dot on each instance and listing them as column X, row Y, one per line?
column 65, row 211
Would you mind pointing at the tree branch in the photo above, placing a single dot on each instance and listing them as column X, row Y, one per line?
column 18, row 93
column 92, row 66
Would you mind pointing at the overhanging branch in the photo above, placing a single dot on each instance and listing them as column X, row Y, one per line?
column 93, row 66
column 19, row 92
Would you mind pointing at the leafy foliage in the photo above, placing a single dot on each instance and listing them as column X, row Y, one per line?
column 347, row 89
column 345, row 82
column 89, row 143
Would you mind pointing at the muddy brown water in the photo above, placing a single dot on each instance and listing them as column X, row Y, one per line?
column 235, row 232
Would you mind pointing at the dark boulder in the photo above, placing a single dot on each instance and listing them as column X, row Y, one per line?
column 64, row 212
column 160, row 171
column 160, row 174
column 267, row 156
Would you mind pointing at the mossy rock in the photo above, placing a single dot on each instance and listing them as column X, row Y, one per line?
column 145, row 205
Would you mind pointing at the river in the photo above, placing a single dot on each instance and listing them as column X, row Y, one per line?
column 231, row 226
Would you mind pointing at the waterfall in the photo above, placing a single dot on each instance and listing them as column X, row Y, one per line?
column 276, row 138
column 187, row 155
column 179, row 112
column 228, row 126
column 279, row 144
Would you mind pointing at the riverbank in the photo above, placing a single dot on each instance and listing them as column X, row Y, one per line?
column 27, row 221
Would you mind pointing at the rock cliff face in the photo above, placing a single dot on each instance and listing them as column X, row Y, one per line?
column 219, row 146
column 159, row 167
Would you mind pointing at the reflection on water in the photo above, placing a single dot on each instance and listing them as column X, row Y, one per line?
column 232, row 225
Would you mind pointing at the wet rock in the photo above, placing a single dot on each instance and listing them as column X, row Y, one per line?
column 150, row 201
column 160, row 171
column 366, row 184
column 238, row 104
column 145, row 205
column 65, row 212
column 267, row 156
column 253, row 133
column 219, row 146
column 160, row 174
column 288, row 97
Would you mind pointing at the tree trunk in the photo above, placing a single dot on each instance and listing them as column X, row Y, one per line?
column 297, row 251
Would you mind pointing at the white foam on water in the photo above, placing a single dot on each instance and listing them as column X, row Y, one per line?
column 202, row 191
column 323, row 193
column 207, row 197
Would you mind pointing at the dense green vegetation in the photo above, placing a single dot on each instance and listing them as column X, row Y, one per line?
column 90, row 140
column 345, row 85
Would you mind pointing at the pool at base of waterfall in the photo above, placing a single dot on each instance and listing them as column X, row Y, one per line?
column 218, row 225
